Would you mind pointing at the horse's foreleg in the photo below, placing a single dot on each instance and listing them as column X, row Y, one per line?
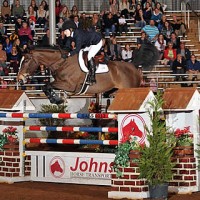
column 52, row 96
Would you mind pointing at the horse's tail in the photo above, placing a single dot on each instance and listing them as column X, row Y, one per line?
column 146, row 56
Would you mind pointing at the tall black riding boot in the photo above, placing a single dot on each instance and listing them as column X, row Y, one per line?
column 92, row 70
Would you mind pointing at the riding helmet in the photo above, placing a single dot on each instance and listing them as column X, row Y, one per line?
column 68, row 24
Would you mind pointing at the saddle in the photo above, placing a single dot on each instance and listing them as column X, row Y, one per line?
column 99, row 62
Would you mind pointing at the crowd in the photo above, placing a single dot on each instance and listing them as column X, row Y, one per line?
column 149, row 15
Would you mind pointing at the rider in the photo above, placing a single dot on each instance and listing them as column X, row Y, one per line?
column 90, row 40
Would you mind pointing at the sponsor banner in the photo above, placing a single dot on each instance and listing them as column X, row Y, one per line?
column 88, row 168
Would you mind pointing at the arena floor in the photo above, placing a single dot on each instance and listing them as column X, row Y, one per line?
column 55, row 191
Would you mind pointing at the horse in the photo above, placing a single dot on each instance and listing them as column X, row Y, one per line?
column 69, row 77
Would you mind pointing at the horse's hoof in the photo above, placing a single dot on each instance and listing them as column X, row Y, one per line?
column 57, row 101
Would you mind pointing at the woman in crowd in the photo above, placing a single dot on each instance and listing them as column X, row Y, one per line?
column 25, row 34
column 45, row 5
column 34, row 5
column 42, row 15
column 160, row 45
column 14, row 59
column 167, row 30
column 5, row 11
column 124, row 8
column 31, row 13
column 147, row 12
column 65, row 13
column 58, row 8
column 127, row 53
column 74, row 11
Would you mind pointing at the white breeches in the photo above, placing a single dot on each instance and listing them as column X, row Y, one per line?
column 93, row 49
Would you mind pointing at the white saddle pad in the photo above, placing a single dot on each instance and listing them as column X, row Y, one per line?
column 101, row 68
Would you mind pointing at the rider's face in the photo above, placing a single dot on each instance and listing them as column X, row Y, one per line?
column 67, row 32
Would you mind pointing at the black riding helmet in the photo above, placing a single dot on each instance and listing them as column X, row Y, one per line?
column 69, row 24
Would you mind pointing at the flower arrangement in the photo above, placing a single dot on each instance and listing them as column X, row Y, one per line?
column 10, row 132
column 183, row 137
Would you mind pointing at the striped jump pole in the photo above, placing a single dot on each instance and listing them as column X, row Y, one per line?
column 71, row 141
column 71, row 128
column 60, row 115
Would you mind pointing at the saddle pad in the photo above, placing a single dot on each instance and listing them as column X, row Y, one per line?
column 101, row 68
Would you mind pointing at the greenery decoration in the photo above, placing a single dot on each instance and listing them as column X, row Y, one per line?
column 155, row 163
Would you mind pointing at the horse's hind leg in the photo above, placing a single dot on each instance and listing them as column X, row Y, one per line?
column 52, row 96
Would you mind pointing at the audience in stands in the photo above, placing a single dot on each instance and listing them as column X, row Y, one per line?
column 169, row 55
column 42, row 16
column 31, row 13
column 167, row 30
column 14, row 59
column 160, row 45
column 96, row 23
column 124, row 8
column 85, row 21
column 3, row 59
column 127, row 53
column 18, row 9
column 175, row 40
column 109, row 24
column 147, row 12
column 58, row 8
column 77, row 22
column 185, row 52
column 193, row 68
column 143, row 38
column 25, row 34
column 179, row 67
column 65, row 13
column 34, row 5
column 178, row 26
column 45, row 38
column 115, row 50
column 44, row 5
column 122, row 26
column 74, row 11
column 139, row 19
column 5, row 12
column 152, row 31
column 7, row 45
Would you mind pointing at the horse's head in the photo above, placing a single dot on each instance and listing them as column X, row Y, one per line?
column 28, row 66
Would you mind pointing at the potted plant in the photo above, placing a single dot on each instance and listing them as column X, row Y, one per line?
column 184, row 142
column 10, row 133
column 122, row 155
column 155, row 163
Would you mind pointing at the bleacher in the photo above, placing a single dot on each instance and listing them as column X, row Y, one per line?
column 161, row 73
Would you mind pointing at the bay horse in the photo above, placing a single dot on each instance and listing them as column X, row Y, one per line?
column 69, row 77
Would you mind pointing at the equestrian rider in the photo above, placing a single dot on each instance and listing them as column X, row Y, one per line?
column 91, row 41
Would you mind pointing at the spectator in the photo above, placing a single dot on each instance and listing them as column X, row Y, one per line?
column 60, row 23
column 5, row 12
column 147, row 12
column 175, row 40
column 167, row 30
column 25, row 35
column 179, row 67
column 122, row 25
column 2, row 32
column 65, row 13
column 136, row 51
column 45, row 38
column 139, row 19
column 7, row 46
column 45, row 5
column 169, row 55
column 152, row 31
column 178, row 26
column 124, row 8
column 85, row 21
column 41, row 16
column 58, row 8
column 3, row 59
column 160, row 45
column 74, row 11
column 151, row 2
column 18, row 24
column 156, row 16
column 17, row 44
column 95, row 23
column 127, row 53
column 31, row 24
column 14, row 59
column 18, row 10
column 159, row 7
column 109, row 24
column 3, row 83
column 162, row 22
column 13, row 37
column 31, row 13
column 193, row 68
column 34, row 5
column 77, row 22
column 142, row 39
column 132, row 7
column 115, row 50
column 185, row 52
column 62, row 39
column 114, row 7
